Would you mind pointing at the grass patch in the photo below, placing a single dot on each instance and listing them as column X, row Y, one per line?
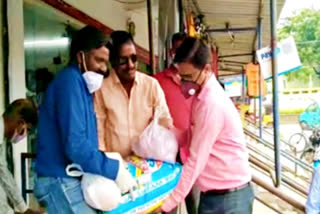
column 292, row 111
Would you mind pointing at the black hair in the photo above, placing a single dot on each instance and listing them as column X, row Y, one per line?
column 118, row 38
column 87, row 39
column 43, row 78
column 180, row 36
column 194, row 51
column 24, row 109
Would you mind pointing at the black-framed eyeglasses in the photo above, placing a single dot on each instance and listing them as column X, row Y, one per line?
column 125, row 60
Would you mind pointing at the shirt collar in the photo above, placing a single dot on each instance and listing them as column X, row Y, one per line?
column 211, row 83
column 171, row 72
column 115, row 78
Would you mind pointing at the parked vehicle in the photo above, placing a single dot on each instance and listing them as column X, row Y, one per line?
column 310, row 118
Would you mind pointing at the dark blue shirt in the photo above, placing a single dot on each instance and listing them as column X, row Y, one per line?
column 67, row 129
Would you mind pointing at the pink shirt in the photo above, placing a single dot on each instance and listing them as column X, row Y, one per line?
column 179, row 106
column 218, row 155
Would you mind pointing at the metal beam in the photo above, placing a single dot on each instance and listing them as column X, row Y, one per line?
column 230, row 70
column 276, row 118
column 260, row 77
column 235, row 55
column 227, row 30
column 181, row 24
column 150, row 33
column 259, row 17
column 232, row 74
column 234, row 62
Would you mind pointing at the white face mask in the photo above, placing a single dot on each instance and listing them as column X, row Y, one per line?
column 93, row 79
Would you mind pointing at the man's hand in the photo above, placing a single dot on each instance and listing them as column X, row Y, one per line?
column 157, row 211
column 124, row 179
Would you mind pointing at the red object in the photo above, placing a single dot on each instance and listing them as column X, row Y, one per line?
column 179, row 106
column 214, row 52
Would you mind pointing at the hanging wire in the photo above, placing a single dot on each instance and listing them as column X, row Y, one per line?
column 130, row 2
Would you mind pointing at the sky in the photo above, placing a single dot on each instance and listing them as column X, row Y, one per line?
column 293, row 6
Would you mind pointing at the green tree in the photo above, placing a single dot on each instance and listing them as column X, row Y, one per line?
column 305, row 29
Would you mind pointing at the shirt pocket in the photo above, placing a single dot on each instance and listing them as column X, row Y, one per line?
column 145, row 116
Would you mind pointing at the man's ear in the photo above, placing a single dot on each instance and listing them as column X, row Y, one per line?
column 22, row 126
column 79, row 58
column 207, row 69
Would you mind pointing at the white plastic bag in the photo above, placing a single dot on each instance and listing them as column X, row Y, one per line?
column 99, row 192
column 157, row 142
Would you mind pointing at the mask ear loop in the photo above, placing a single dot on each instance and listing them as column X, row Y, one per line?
column 199, row 75
column 84, row 62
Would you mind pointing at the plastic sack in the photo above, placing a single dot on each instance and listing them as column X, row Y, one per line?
column 156, row 180
column 99, row 192
column 157, row 142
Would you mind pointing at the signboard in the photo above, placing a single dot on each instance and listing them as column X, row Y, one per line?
column 232, row 85
column 287, row 58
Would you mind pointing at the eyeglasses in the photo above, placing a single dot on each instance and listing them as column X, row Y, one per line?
column 125, row 60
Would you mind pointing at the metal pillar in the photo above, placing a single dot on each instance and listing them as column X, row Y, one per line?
column 150, row 33
column 260, row 77
column 276, row 119
column 180, row 7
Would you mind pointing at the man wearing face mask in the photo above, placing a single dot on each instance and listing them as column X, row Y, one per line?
column 127, row 100
column 67, row 131
column 218, row 162
column 15, row 123
column 179, row 106
column 180, row 109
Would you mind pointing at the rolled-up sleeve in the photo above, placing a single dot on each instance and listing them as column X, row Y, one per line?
column 160, row 101
column 204, row 134
column 101, row 115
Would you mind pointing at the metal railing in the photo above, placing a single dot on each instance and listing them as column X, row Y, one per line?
column 284, row 154
column 24, row 173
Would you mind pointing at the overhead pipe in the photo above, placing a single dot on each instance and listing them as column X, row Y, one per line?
column 234, row 62
column 276, row 118
column 227, row 30
column 150, row 34
column 226, row 75
column 235, row 55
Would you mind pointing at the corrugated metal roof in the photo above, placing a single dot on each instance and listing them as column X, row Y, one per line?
column 238, row 14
